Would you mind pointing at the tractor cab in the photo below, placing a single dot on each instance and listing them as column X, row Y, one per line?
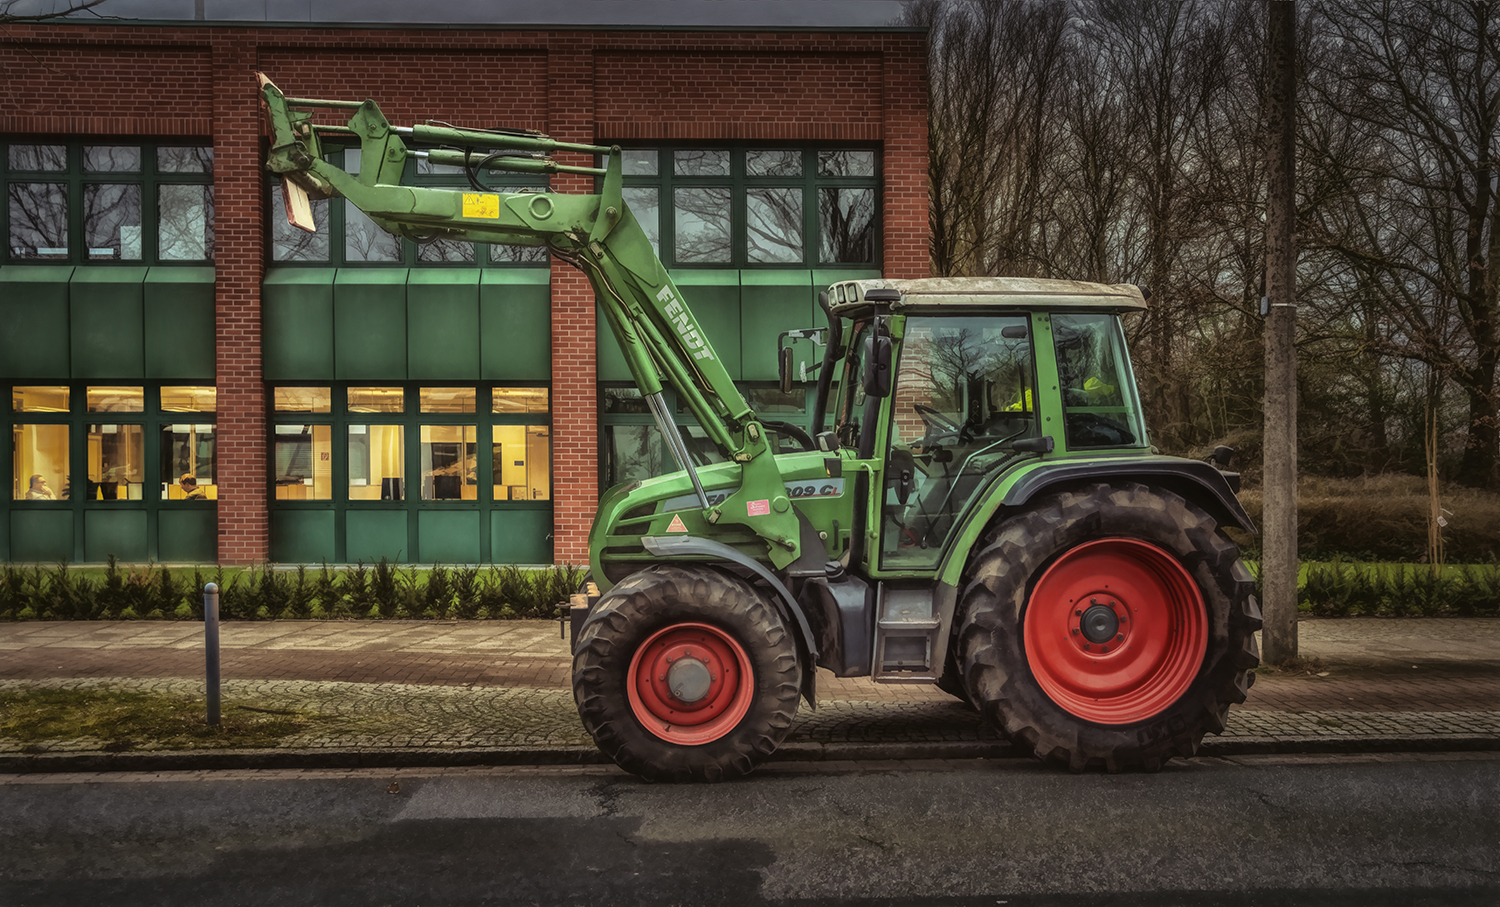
column 954, row 382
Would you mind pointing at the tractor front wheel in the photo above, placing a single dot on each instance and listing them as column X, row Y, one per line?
column 1111, row 626
column 686, row 674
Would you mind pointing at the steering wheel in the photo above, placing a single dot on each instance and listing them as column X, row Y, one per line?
column 796, row 433
column 938, row 425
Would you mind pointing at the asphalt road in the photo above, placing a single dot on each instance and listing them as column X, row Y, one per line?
column 1252, row 831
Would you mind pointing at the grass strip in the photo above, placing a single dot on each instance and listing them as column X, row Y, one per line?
column 130, row 720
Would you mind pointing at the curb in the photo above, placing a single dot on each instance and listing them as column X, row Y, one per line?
column 226, row 760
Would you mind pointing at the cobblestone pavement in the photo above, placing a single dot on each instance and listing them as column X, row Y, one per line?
column 504, row 686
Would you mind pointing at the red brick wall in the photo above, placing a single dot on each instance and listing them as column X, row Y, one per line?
column 579, row 86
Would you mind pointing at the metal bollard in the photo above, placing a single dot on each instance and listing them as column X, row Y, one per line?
column 211, row 648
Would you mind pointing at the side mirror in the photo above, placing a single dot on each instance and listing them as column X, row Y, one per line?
column 877, row 377
column 784, row 369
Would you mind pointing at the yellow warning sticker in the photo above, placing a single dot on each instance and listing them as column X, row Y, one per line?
column 486, row 206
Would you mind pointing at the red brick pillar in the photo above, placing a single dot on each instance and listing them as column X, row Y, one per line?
column 239, row 261
column 905, row 232
column 575, row 415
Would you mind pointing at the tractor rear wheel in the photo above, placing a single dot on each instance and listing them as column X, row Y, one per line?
column 686, row 674
column 1110, row 626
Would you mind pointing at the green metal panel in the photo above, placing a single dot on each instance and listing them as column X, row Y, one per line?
column 180, row 331
column 41, row 536
column 515, row 323
column 303, row 537
column 374, row 534
column 448, row 537
column 773, row 302
column 715, row 299
column 187, row 536
column 107, row 317
column 369, row 324
column 442, row 324
column 34, row 337
column 521, row 536
column 296, row 313
column 118, row 532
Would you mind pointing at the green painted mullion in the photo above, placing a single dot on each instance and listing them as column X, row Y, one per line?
column 77, row 250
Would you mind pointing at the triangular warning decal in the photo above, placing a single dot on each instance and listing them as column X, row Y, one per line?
column 677, row 525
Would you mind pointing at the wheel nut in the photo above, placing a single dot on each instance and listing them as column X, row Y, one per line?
column 1075, row 631
column 1120, row 638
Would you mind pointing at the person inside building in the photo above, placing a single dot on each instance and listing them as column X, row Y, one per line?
column 39, row 491
column 190, row 489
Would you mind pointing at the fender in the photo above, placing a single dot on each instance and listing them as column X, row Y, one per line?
column 1193, row 479
column 677, row 547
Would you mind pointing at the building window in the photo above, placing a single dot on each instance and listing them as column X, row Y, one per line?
column 93, row 202
column 422, row 448
column 345, row 235
column 632, row 447
column 772, row 207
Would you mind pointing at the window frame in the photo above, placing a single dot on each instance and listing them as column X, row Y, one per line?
column 75, row 180
column 411, row 419
column 739, row 183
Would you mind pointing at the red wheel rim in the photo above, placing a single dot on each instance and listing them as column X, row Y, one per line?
column 1115, row 631
column 690, row 684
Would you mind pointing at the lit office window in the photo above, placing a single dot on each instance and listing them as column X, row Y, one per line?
column 377, row 459
column 302, row 462
column 39, row 462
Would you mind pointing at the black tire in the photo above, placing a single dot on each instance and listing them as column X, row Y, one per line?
column 999, row 583
column 669, row 599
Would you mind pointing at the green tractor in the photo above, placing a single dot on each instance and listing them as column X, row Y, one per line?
column 977, row 504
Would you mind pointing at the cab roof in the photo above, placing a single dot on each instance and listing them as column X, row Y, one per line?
column 851, row 296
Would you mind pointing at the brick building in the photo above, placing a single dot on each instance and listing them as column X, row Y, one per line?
column 188, row 380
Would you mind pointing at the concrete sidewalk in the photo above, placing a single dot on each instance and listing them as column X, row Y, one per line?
column 428, row 693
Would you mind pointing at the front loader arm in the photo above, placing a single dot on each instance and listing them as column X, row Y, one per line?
column 654, row 326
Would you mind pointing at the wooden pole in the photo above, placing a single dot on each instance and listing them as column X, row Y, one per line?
column 1279, row 540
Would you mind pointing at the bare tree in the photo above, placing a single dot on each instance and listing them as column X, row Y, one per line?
column 1418, row 84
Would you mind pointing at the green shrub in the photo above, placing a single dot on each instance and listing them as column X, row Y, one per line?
column 380, row 590
column 1344, row 589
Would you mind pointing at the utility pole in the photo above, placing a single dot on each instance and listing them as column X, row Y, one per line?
column 1279, row 521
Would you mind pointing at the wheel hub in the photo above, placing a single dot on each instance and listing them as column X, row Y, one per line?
column 1099, row 623
column 689, row 679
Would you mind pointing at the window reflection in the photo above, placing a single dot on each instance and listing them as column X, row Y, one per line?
column 104, row 399
column 38, row 220
column 302, row 399
column 620, row 400
column 518, row 254
column 449, row 462
column 39, row 158
column 185, row 222
column 116, row 462
column 188, row 457
column 644, row 203
column 185, row 159
column 700, row 163
column 112, row 221
column 847, row 220
column 779, row 162
column 39, row 399
column 302, row 462
column 289, row 243
column 520, row 458
column 376, row 463
column 702, row 218
column 774, row 225
column 111, row 159
column 376, row 400
column 364, row 241
column 638, row 162
column 446, row 250
column 846, row 163
column 40, row 463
